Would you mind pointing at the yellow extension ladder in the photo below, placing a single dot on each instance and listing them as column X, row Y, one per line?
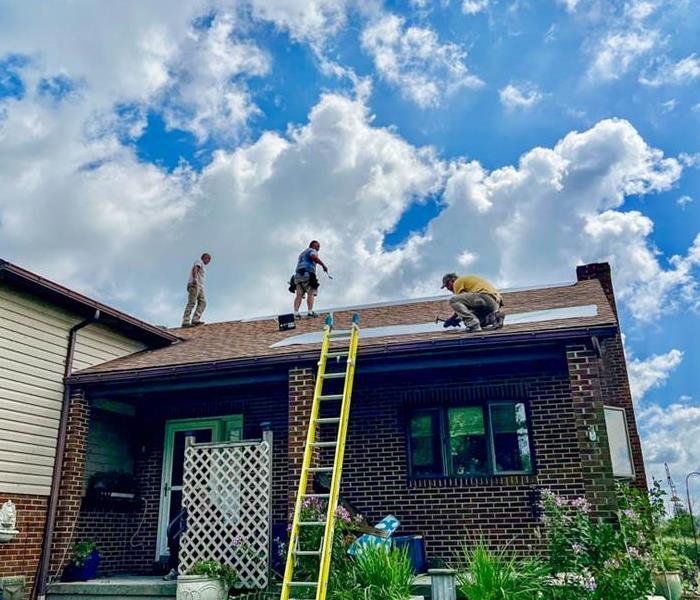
column 341, row 421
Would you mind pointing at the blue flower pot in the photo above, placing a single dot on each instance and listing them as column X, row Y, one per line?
column 84, row 572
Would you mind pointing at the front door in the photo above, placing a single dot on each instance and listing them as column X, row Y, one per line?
column 202, row 430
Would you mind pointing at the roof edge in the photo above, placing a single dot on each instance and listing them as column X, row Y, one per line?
column 200, row 368
column 63, row 295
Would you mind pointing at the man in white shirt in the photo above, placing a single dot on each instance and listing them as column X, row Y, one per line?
column 195, row 292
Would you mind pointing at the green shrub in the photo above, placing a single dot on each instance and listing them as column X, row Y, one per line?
column 499, row 575
column 376, row 574
column 216, row 570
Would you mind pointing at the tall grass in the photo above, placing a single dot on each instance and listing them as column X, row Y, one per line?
column 499, row 575
column 375, row 574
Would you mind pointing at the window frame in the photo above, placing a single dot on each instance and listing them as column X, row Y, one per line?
column 444, row 433
column 633, row 476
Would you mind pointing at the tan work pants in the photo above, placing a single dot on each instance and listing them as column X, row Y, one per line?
column 195, row 295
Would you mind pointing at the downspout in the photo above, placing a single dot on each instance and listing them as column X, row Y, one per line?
column 43, row 571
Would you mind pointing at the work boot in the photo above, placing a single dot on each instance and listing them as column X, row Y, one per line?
column 297, row 315
column 472, row 326
column 311, row 314
column 185, row 324
column 195, row 323
column 170, row 576
column 494, row 320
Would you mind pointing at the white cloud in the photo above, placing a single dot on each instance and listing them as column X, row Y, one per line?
column 684, row 71
column 669, row 106
column 473, row 7
column 684, row 200
column 689, row 160
column 670, row 435
column 617, row 51
column 652, row 372
column 413, row 59
column 640, row 10
column 524, row 97
column 570, row 4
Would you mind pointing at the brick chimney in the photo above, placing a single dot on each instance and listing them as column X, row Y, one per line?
column 601, row 272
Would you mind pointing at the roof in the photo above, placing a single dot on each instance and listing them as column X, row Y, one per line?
column 246, row 341
column 82, row 305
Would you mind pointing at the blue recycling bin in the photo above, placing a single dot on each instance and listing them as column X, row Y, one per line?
column 415, row 545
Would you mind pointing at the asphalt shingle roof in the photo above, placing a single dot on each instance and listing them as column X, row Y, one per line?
column 252, row 339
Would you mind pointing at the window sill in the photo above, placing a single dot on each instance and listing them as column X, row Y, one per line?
column 519, row 479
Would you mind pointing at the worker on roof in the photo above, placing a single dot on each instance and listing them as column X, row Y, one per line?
column 195, row 292
column 476, row 302
column 304, row 281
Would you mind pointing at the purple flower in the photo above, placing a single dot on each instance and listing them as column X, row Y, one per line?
column 581, row 504
column 634, row 552
column 577, row 548
column 560, row 501
column 630, row 514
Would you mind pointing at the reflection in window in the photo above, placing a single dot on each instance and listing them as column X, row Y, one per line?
column 511, row 441
column 468, row 447
column 619, row 442
column 426, row 452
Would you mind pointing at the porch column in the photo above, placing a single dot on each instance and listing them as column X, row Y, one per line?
column 591, row 433
column 72, row 482
column 301, row 394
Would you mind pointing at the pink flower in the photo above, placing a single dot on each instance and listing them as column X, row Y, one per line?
column 581, row 504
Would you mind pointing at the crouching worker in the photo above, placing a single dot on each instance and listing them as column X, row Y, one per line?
column 304, row 281
column 476, row 302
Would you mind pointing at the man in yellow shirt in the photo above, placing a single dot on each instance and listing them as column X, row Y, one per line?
column 475, row 301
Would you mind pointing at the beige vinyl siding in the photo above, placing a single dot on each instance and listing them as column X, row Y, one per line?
column 33, row 343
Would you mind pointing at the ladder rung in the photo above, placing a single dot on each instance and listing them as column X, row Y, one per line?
column 339, row 375
column 324, row 444
column 320, row 469
column 331, row 397
column 312, row 523
column 328, row 420
column 303, row 584
column 337, row 354
column 307, row 552
column 340, row 333
column 321, row 496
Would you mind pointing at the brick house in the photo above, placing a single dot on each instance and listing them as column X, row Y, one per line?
column 452, row 433
column 46, row 332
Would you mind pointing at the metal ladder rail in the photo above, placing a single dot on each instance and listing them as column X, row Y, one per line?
column 325, row 551
column 327, row 548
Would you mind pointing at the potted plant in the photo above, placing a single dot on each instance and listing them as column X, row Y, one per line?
column 207, row 580
column 86, row 560
column 667, row 576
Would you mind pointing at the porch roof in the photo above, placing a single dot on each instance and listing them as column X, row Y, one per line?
column 249, row 342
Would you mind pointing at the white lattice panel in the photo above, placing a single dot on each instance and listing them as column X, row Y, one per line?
column 226, row 490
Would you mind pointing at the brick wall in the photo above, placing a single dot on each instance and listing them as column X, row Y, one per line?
column 72, row 483
column 614, row 377
column 301, row 392
column 20, row 557
column 448, row 512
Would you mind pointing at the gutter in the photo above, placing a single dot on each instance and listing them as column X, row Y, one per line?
column 44, row 565
column 472, row 342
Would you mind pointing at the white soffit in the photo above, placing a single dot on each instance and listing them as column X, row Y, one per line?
column 551, row 314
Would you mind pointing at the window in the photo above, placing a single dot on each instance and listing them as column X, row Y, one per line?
column 619, row 442
column 470, row 441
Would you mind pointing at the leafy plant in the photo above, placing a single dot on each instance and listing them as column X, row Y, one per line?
column 377, row 573
column 499, row 575
column 211, row 568
column 82, row 551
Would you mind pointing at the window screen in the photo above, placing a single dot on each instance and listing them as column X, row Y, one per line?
column 426, row 449
column 511, row 440
column 468, row 446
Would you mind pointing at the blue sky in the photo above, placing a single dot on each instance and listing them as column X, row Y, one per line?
column 512, row 138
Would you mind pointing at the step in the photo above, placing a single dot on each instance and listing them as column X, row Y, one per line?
column 331, row 397
column 338, row 375
column 106, row 588
column 337, row 354
column 319, row 496
column 324, row 444
column 328, row 420
column 320, row 469
column 312, row 523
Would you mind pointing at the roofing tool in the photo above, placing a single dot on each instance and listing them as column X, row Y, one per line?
column 328, row 274
column 340, row 422
column 453, row 321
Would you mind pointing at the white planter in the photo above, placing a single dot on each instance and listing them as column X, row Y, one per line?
column 7, row 535
column 199, row 587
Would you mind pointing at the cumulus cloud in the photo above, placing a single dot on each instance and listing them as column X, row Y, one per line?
column 473, row 7
column 570, row 5
column 413, row 59
column 669, row 435
column 652, row 372
column 617, row 51
column 525, row 97
column 666, row 72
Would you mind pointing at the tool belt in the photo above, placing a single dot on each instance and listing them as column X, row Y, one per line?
column 313, row 280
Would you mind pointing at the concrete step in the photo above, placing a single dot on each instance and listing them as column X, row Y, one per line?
column 131, row 588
